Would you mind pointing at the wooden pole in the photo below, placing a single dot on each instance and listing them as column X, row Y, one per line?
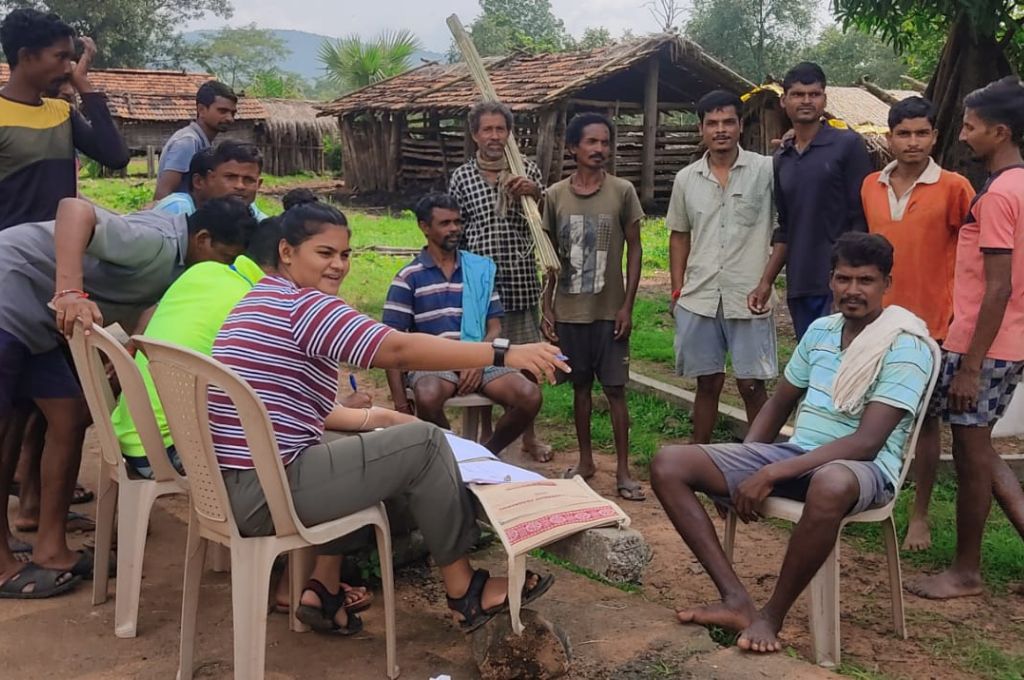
column 650, row 131
column 545, row 252
column 546, row 140
column 150, row 161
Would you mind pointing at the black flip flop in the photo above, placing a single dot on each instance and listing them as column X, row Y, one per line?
column 45, row 582
column 81, row 495
column 86, row 561
column 321, row 619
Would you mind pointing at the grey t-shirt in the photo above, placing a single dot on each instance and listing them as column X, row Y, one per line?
column 129, row 263
column 178, row 152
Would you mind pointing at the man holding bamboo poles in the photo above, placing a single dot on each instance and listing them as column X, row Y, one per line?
column 496, row 227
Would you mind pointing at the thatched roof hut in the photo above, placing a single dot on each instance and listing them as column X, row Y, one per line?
column 411, row 129
column 148, row 106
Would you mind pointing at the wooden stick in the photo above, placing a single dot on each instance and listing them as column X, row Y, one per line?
column 545, row 252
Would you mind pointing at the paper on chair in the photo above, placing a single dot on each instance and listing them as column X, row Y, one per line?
column 479, row 466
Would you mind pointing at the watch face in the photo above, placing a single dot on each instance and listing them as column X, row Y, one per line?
column 501, row 343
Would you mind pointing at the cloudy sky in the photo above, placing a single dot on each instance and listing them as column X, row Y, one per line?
column 423, row 17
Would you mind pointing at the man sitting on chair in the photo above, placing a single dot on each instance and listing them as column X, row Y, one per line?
column 861, row 374
column 450, row 292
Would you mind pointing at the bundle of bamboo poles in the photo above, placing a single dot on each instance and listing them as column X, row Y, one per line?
column 545, row 252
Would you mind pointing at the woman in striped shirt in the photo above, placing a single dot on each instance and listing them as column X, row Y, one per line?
column 286, row 338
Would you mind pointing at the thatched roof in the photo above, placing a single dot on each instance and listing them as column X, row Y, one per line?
column 296, row 112
column 527, row 82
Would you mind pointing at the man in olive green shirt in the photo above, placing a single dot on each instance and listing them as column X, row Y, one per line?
column 720, row 224
column 591, row 217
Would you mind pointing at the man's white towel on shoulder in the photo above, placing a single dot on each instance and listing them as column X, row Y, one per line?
column 862, row 360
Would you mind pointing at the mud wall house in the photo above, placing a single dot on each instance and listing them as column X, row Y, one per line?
column 410, row 132
column 148, row 106
column 865, row 108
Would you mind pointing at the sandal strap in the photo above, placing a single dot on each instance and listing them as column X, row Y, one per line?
column 330, row 602
column 471, row 605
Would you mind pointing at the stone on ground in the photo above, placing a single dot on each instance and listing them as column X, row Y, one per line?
column 619, row 555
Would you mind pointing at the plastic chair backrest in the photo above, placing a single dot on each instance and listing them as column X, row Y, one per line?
column 182, row 377
column 911, row 446
column 88, row 351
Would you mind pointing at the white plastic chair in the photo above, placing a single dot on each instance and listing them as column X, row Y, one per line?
column 131, row 497
column 823, row 591
column 473, row 407
column 182, row 378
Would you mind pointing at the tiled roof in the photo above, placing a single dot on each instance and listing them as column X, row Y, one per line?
column 145, row 95
column 531, row 81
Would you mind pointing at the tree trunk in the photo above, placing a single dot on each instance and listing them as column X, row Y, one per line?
column 967, row 63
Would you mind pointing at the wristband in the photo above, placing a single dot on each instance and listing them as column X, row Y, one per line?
column 80, row 293
column 676, row 293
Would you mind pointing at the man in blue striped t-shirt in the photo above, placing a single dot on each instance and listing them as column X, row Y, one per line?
column 449, row 292
column 838, row 463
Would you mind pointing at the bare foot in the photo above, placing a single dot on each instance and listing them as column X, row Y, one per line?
column 919, row 535
column 946, row 585
column 584, row 471
column 735, row 617
column 760, row 636
column 537, row 450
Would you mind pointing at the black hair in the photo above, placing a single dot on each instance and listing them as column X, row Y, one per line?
column 263, row 245
column 857, row 249
column 211, row 89
column 201, row 163
column 481, row 109
column 303, row 221
column 1000, row 102
column 234, row 150
column 574, row 130
column 32, row 30
column 805, row 73
column 229, row 221
column 424, row 207
column 300, row 196
column 909, row 108
column 718, row 99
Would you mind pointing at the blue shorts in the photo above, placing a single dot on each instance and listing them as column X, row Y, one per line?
column 25, row 377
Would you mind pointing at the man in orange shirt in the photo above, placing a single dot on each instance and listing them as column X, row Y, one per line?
column 919, row 208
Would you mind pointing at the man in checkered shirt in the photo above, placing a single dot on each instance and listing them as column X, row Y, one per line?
column 496, row 227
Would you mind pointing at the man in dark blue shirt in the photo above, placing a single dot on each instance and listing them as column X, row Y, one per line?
column 818, row 175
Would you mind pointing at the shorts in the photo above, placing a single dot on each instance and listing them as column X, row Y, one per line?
column 999, row 378
column 25, row 376
column 490, row 373
column 592, row 350
column 737, row 462
column 702, row 343
column 521, row 327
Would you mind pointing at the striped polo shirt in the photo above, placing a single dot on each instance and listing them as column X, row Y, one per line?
column 287, row 343
column 422, row 300
column 906, row 369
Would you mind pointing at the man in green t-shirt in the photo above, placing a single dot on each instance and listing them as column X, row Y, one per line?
column 591, row 217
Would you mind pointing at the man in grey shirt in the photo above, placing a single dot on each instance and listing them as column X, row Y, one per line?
column 216, row 106
column 720, row 224
column 94, row 266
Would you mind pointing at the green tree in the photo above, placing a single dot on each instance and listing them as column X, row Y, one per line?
column 983, row 42
column 508, row 25
column 274, row 84
column 594, row 37
column 756, row 38
column 351, row 63
column 131, row 33
column 849, row 55
column 237, row 55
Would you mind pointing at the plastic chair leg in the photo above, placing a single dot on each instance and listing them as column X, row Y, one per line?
column 135, row 501
column 387, row 577
column 300, row 566
column 195, row 557
column 251, row 563
column 220, row 558
column 471, row 423
column 892, row 555
column 824, row 611
column 106, row 505
column 729, row 540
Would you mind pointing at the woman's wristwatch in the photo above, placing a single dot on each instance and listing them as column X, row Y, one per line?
column 500, row 346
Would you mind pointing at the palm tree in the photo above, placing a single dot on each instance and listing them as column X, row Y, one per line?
column 351, row 63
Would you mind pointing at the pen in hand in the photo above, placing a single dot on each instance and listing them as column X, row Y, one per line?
column 352, row 382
